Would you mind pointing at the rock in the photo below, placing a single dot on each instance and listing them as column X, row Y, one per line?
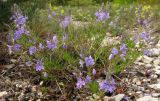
column 155, row 52
column 96, row 96
column 9, row 66
column 156, row 94
column 157, row 70
column 34, row 88
column 155, row 86
column 139, row 63
column 107, row 41
column 139, row 94
column 154, row 76
column 13, row 60
column 38, row 100
column 106, row 98
column 41, row 83
column 156, row 62
column 138, row 83
column 119, row 97
column 148, row 65
column 147, row 59
column 147, row 98
column 158, row 44
column 3, row 93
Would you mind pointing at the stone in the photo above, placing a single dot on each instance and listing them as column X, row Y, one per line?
column 107, row 41
column 156, row 62
column 106, row 98
column 3, row 93
column 158, row 44
column 156, row 94
column 139, row 94
column 34, row 88
column 9, row 66
column 155, row 86
column 147, row 98
column 119, row 97
column 147, row 59
column 13, row 60
column 138, row 83
column 148, row 65
column 155, row 52
column 154, row 76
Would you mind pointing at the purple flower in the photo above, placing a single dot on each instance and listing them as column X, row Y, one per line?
column 144, row 36
column 148, row 52
column 88, row 79
column 101, row 16
column 81, row 62
column 65, row 22
column 80, row 83
column 53, row 43
column 89, row 61
column 107, row 86
column 39, row 65
column 53, row 14
column 17, row 47
column 41, row 46
column 32, row 50
column 123, row 48
column 64, row 46
column 94, row 71
column 114, row 51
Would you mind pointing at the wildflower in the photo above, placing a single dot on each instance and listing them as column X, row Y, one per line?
column 144, row 36
column 81, row 62
column 88, row 79
column 94, row 71
column 53, row 14
column 101, row 16
column 41, row 46
column 17, row 47
column 53, row 43
column 107, row 86
column 80, row 83
column 32, row 50
column 65, row 22
column 39, row 65
column 64, row 46
column 113, row 53
column 123, row 49
column 148, row 52
column 89, row 61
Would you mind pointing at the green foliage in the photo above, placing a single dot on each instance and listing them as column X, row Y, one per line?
column 94, row 87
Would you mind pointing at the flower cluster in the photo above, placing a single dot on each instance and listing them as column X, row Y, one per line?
column 145, row 36
column 39, row 65
column 108, row 86
column 123, row 50
column 102, row 15
column 89, row 61
column 52, row 44
column 65, row 22
column 20, row 21
column 113, row 53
